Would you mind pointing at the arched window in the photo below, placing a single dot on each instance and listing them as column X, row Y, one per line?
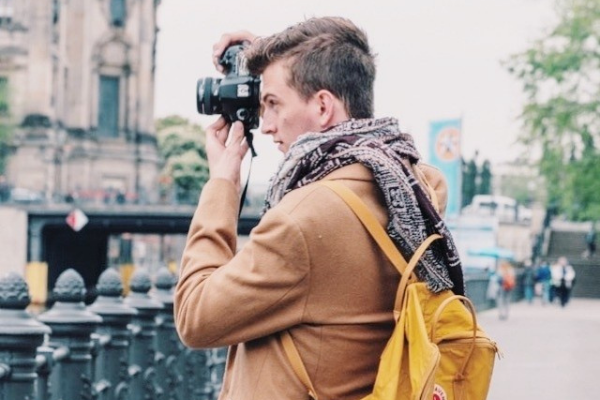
column 108, row 107
column 55, row 11
column 6, row 12
column 4, row 99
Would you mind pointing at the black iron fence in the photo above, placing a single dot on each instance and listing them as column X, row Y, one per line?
column 114, row 349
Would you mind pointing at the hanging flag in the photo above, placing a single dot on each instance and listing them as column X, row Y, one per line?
column 445, row 154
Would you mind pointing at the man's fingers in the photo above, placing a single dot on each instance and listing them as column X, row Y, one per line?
column 237, row 132
column 244, row 147
column 218, row 49
column 227, row 40
column 237, row 141
column 218, row 125
column 228, row 136
column 218, row 129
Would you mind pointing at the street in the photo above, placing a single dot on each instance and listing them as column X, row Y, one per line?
column 550, row 353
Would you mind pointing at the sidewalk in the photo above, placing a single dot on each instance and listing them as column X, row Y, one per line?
column 550, row 353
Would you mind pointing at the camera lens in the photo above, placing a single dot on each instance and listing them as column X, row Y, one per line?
column 207, row 102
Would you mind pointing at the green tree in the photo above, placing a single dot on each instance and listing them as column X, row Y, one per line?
column 520, row 187
column 5, row 137
column 484, row 183
column 182, row 145
column 560, row 76
column 5, row 125
column 469, row 180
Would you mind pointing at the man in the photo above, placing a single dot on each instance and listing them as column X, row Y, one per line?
column 309, row 267
column 543, row 277
column 529, row 282
column 506, row 277
column 590, row 242
column 563, row 278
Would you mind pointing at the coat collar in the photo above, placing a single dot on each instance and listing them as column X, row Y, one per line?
column 356, row 172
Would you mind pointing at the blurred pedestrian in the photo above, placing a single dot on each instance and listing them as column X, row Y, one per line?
column 505, row 275
column 590, row 242
column 563, row 278
column 493, row 284
column 543, row 278
column 529, row 281
column 4, row 189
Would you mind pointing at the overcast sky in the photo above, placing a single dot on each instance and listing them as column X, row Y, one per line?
column 436, row 59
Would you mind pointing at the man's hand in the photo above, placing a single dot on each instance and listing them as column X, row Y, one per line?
column 227, row 40
column 225, row 150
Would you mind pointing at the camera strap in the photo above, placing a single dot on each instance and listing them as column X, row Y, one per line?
column 249, row 139
column 243, row 198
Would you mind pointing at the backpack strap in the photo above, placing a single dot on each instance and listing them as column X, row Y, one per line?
column 292, row 354
column 404, row 280
column 390, row 250
column 382, row 238
column 370, row 223
column 460, row 375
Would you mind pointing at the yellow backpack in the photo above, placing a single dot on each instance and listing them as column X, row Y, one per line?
column 437, row 350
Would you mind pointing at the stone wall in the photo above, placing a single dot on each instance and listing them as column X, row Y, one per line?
column 53, row 53
column 13, row 239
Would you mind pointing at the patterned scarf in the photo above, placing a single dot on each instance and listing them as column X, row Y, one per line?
column 379, row 145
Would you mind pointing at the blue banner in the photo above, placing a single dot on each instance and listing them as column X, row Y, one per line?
column 445, row 154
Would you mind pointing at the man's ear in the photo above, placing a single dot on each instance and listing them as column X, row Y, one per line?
column 330, row 109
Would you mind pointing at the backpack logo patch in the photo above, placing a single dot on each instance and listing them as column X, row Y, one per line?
column 439, row 393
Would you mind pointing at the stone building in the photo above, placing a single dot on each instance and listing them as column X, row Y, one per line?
column 77, row 79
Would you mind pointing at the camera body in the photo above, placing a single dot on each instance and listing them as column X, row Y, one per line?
column 236, row 96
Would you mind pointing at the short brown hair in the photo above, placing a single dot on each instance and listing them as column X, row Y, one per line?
column 329, row 53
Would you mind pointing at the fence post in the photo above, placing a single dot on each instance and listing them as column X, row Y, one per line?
column 113, row 362
column 72, row 327
column 216, row 364
column 20, row 336
column 167, row 340
column 143, row 352
column 196, row 372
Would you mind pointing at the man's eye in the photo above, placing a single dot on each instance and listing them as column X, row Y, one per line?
column 268, row 105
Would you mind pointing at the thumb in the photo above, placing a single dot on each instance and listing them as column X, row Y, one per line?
column 237, row 132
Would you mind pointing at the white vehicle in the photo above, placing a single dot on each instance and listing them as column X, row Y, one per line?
column 27, row 196
column 502, row 207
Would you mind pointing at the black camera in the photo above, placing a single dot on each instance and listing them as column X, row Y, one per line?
column 236, row 96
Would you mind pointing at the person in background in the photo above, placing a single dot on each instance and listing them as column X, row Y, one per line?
column 493, row 284
column 505, row 274
column 563, row 279
column 590, row 241
column 543, row 279
column 529, row 281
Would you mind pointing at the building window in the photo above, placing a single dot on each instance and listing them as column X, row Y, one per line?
column 108, row 107
column 55, row 11
column 117, row 12
column 4, row 104
column 6, row 12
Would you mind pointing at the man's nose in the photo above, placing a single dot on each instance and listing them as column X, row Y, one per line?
column 267, row 127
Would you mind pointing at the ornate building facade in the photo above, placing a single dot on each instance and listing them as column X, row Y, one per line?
column 78, row 79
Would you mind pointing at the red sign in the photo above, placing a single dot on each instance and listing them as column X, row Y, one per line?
column 77, row 219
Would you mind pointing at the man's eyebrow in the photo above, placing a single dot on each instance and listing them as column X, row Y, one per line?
column 265, row 97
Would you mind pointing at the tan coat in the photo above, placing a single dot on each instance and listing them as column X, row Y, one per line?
column 310, row 267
